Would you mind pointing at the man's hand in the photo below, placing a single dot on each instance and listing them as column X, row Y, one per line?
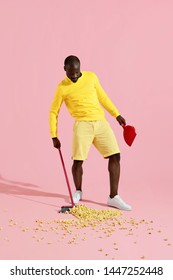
column 56, row 143
column 121, row 120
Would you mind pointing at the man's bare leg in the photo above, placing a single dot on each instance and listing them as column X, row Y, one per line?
column 114, row 173
column 77, row 172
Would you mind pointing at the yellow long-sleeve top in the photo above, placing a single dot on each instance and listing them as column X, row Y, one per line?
column 83, row 100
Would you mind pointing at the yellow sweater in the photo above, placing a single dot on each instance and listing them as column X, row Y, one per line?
column 82, row 100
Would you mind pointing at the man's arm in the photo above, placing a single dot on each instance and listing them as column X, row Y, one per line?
column 53, row 117
column 108, row 104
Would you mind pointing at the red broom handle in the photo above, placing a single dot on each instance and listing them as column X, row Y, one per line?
column 66, row 177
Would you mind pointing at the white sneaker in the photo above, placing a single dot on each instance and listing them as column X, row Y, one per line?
column 77, row 196
column 117, row 202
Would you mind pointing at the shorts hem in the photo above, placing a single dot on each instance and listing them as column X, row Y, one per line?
column 111, row 154
column 74, row 158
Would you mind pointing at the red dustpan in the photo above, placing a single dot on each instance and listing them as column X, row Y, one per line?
column 129, row 134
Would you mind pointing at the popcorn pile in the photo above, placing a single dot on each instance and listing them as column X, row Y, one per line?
column 89, row 216
column 104, row 221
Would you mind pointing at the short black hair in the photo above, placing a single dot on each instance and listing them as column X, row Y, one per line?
column 71, row 59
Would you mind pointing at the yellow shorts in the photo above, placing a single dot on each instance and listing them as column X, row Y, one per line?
column 99, row 133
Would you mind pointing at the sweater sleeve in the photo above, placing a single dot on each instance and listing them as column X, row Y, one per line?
column 54, row 111
column 105, row 100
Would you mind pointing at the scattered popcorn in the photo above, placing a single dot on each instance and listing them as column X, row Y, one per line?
column 103, row 224
column 25, row 229
column 36, row 229
column 100, row 250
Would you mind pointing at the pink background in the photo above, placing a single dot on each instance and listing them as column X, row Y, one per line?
column 129, row 45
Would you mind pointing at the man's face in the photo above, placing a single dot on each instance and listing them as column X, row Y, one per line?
column 73, row 72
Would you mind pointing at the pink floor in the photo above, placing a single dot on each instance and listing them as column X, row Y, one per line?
column 23, row 236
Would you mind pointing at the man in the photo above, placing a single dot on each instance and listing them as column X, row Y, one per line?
column 83, row 96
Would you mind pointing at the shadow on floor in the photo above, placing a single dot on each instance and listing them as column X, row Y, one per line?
column 23, row 189
column 20, row 189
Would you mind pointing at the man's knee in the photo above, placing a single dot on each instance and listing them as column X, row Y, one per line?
column 114, row 162
column 115, row 157
column 77, row 163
